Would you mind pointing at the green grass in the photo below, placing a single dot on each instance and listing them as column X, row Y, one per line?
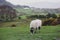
column 23, row 17
column 21, row 32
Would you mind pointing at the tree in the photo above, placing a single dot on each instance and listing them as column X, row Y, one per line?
column 51, row 15
column 48, row 15
column 19, row 17
column 54, row 16
column 42, row 16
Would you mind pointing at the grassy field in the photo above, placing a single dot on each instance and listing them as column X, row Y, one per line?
column 21, row 32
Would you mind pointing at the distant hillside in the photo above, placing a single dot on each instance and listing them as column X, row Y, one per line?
column 46, row 10
column 20, row 6
column 4, row 2
column 37, row 11
column 24, row 9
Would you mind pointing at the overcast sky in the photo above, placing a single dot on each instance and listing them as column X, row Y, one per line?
column 37, row 3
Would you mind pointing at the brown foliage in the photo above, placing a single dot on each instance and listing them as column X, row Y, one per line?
column 48, row 21
column 55, row 22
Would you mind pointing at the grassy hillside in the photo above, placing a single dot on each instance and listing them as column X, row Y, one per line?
column 21, row 32
column 24, row 11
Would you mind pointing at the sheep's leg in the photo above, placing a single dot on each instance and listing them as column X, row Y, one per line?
column 39, row 27
column 35, row 30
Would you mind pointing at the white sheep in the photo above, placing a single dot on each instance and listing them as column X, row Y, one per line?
column 34, row 25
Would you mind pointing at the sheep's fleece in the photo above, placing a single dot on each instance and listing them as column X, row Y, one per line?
column 36, row 23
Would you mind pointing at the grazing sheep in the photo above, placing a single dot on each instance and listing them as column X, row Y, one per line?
column 35, row 25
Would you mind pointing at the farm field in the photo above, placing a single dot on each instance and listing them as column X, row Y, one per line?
column 21, row 32
column 17, row 15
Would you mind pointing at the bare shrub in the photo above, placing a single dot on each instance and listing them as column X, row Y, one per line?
column 13, row 25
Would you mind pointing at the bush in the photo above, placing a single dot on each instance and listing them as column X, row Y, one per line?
column 58, row 20
column 13, row 25
column 48, row 21
column 19, row 17
column 55, row 22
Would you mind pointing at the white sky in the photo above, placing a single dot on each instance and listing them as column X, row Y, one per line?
column 29, row 2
